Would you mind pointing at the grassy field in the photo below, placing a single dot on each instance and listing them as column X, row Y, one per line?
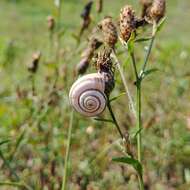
column 34, row 124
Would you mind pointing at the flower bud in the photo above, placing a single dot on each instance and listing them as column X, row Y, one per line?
column 158, row 9
column 127, row 22
column 109, row 31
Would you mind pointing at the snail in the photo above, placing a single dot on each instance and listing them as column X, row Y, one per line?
column 88, row 95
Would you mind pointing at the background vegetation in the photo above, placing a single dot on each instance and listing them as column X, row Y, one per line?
column 34, row 126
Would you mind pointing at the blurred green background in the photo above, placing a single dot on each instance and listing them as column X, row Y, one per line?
column 33, row 128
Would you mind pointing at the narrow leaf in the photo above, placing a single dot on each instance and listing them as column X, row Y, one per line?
column 131, row 161
column 4, row 142
column 160, row 25
column 18, row 142
column 104, row 120
column 148, row 72
column 116, row 97
column 143, row 39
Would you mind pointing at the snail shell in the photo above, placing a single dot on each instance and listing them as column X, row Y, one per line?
column 87, row 94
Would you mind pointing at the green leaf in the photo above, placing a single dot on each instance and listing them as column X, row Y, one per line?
column 137, row 132
column 104, row 120
column 148, row 72
column 4, row 142
column 17, row 144
column 131, row 161
column 116, row 97
column 143, row 39
column 130, row 43
column 160, row 24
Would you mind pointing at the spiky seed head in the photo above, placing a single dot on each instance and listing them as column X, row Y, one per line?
column 127, row 22
column 157, row 10
column 109, row 31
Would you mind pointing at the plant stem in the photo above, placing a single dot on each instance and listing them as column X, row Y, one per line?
column 124, row 83
column 114, row 119
column 139, row 121
column 64, row 181
column 134, row 64
column 149, row 48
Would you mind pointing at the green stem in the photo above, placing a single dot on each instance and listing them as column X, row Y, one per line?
column 139, row 126
column 64, row 181
column 134, row 64
column 139, row 121
column 114, row 119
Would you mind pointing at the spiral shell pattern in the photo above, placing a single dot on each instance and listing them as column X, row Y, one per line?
column 87, row 95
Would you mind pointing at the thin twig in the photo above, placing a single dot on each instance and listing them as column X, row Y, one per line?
column 131, row 104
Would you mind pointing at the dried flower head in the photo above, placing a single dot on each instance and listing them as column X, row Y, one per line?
column 86, row 11
column 105, row 66
column 109, row 31
column 51, row 23
column 33, row 66
column 82, row 66
column 146, row 4
column 86, row 16
column 127, row 22
column 87, row 56
column 157, row 10
column 99, row 6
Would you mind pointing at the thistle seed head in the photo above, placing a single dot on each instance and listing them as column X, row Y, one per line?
column 157, row 10
column 127, row 22
column 109, row 31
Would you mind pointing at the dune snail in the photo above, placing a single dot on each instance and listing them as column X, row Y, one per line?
column 88, row 95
